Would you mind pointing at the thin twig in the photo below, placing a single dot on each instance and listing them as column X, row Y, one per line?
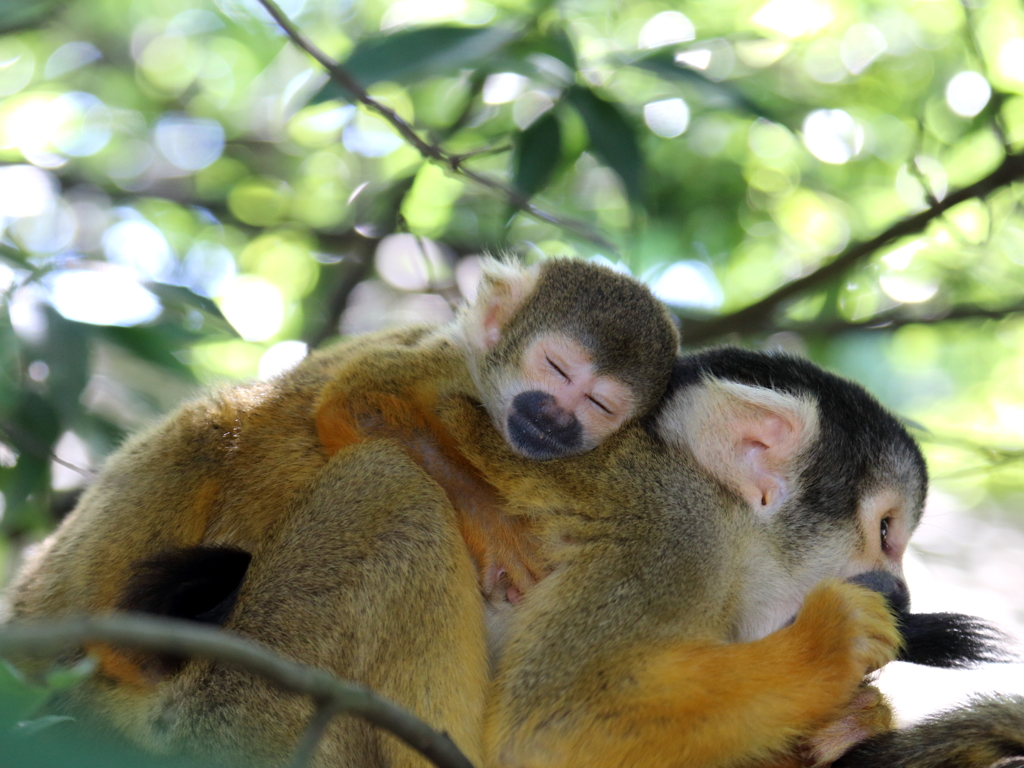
column 463, row 157
column 430, row 151
column 983, row 469
column 34, row 446
column 994, row 458
column 899, row 317
column 756, row 316
column 189, row 640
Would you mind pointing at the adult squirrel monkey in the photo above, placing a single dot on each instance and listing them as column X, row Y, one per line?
column 292, row 512
column 702, row 609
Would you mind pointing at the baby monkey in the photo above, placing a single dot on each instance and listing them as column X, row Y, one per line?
column 559, row 356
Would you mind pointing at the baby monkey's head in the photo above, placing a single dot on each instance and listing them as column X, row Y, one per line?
column 565, row 352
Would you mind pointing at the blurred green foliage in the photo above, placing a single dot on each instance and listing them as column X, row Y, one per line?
column 186, row 199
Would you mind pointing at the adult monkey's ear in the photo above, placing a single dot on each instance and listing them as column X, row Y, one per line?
column 502, row 290
column 750, row 438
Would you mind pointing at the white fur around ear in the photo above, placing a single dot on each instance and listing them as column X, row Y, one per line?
column 748, row 437
column 503, row 288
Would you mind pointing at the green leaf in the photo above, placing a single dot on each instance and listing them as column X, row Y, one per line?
column 23, row 14
column 65, row 677
column 13, row 255
column 177, row 296
column 26, row 486
column 10, row 356
column 156, row 343
column 611, row 137
column 536, row 155
column 416, row 54
column 34, row 424
column 718, row 95
column 19, row 699
column 28, row 728
column 521, row 53
column 65, row 350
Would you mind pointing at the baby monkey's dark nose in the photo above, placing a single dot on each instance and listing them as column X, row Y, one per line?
column 541, row 428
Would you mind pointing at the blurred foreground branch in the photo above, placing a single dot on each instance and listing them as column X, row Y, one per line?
column 187, row 639
column 452, row 162
column 758, row 316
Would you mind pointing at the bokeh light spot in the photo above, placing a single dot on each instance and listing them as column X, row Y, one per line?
column 259, row 201
column 17, row 64
column 832, row 136
column 25, row 191
column 908, row 289
column 190, row 143
column 411, row 263
column 281, row 357
column 84, row 124
column 861, row 45
column 141, row 246
column 207, row 267
column 666, row 28
column 689, row 284
column 70, row 57
column 667, row 118
column 254, row 307
column 503, row 87
column 967, row 93
column 793, row 18
column 769, row 140
column 1011, row 59
column 108, row 296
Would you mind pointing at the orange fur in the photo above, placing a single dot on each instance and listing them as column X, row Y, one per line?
column 196, row 522
column 496, row 541
column 701, row 705
column 119, row 665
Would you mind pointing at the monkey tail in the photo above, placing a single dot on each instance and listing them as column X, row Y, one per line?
column 951, row 640
column 988, row 729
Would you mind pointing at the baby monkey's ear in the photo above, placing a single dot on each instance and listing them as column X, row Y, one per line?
column 502, row 290
column 750, row 438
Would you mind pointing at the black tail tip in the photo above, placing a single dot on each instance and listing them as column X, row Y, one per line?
column 951, row 641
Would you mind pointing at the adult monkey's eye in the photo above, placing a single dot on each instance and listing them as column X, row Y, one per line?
column 600, row 405
column 884, row 533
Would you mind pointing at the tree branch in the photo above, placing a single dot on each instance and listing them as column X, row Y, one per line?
column 901, row 316
column 757, row 316
column 187, row 639
column 453, row 163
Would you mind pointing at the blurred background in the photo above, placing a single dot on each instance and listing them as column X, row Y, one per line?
column 185, row 200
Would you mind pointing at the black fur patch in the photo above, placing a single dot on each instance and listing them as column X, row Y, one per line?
column 854, row 430
column 195, row 583
column 950, row 640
